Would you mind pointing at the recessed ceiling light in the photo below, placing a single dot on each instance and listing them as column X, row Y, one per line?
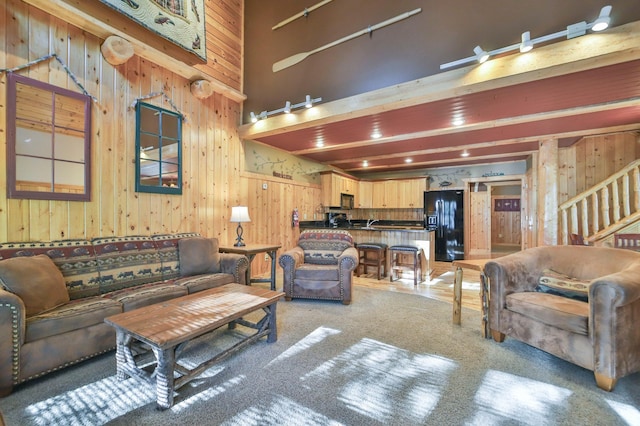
column 376, row 134
column 457, row 121
column 464, row 153
column 365, row 163
column 408, row 160
column 319, row 144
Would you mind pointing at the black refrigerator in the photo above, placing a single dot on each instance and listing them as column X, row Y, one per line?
column 443, row 213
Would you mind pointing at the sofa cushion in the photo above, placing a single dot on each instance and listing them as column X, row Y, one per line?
column 324, row 247
column 198, row 256
column 126, row 262
column 167, row 246
column 36, row 280
column 76, row 314
column 146, row 294
column 553, row 282
column 313, row 272
column 197, row 283
column 557, row 311
column 75, row 259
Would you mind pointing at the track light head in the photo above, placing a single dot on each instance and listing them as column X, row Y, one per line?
column 603, row 21
column 308, row 103
column 254, row 119
column 481, row 54
column 526, row 45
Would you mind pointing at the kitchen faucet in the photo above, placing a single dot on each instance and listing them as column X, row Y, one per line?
column 371, row 222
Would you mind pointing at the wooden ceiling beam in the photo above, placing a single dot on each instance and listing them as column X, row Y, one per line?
column 616, row 45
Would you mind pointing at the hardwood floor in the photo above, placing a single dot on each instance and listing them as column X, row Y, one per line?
column 440, row 287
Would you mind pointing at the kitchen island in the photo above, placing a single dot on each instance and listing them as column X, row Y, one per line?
column 391, row 234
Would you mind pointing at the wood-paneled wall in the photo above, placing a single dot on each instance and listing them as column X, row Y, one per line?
column 212, row 151
column 270, row 210
column 593, row 159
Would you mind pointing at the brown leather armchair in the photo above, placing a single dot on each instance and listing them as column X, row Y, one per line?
column 600, row 334
column 321, row 266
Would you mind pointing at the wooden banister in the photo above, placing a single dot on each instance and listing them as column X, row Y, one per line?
column 608, row 205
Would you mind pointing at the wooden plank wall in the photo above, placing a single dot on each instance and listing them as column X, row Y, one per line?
column 592, row 160
column 505, row 225
column 270, row 211
column 212, row 151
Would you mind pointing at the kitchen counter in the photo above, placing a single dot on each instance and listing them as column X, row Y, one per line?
column 391, row 234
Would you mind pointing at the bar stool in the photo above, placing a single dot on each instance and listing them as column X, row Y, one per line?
column 372, row 254
column 398, row 264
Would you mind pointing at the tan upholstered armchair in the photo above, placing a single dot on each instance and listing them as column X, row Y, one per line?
column 321, row 266
column 532, row 299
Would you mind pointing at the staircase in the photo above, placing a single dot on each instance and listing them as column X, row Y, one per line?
column 604, row 208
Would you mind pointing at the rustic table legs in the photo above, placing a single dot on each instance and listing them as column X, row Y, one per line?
column 457, row 296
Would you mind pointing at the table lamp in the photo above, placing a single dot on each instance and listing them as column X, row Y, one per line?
column 239, row 214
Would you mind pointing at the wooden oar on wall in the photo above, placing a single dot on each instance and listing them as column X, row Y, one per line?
column 301, row 14
column 299, row 57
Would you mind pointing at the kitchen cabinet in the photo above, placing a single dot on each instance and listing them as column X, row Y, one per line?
column 411, row 193
column 364, row 200
column 385, row 194
column 333, row 185
column 399, row 193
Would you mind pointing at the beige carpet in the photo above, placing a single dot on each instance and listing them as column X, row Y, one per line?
column 387, row 359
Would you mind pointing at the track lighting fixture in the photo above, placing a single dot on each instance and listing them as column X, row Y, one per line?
column 603, row 21
column 288, row 107
column 526, row 44
column 481, row 54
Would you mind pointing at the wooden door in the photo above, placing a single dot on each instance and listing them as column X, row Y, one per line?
column 479, row 214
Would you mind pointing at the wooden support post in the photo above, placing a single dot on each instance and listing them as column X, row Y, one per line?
column 548, row 192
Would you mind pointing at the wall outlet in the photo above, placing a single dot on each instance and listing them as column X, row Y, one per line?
column 264, row 186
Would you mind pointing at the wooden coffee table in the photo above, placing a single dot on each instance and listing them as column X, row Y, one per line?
column 167, row 327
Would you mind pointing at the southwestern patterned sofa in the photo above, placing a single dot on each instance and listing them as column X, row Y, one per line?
column 321, row 266
column 55, row 295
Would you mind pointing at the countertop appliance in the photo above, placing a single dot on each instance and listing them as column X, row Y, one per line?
column 443, row 212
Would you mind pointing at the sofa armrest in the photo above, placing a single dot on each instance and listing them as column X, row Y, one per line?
column 291, row 259
column 235, row 264
column 12, row 331
column 614, row 304
column 348, row 260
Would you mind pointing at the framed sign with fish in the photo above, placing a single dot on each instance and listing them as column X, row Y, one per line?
column 179, row 21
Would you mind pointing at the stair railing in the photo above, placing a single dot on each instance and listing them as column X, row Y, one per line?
column 609, row 204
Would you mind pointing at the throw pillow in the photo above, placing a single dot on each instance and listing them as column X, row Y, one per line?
column 198, row 256
column 553, row 282
column 36, row 280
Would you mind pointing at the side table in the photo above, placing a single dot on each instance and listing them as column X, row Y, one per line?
column 476, row 265
column 250, row 250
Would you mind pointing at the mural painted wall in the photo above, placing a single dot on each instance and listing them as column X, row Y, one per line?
column 273, row 162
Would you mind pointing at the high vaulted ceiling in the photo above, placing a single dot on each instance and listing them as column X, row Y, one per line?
column 567, row 90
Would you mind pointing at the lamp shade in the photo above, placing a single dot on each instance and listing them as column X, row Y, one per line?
column 240, row 214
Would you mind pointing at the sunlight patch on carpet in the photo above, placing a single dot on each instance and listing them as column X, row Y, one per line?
column 629, row 414
column 279, row 411
column 96, row 403
column 504, row 397
column 315, row 337
column 383, row 382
